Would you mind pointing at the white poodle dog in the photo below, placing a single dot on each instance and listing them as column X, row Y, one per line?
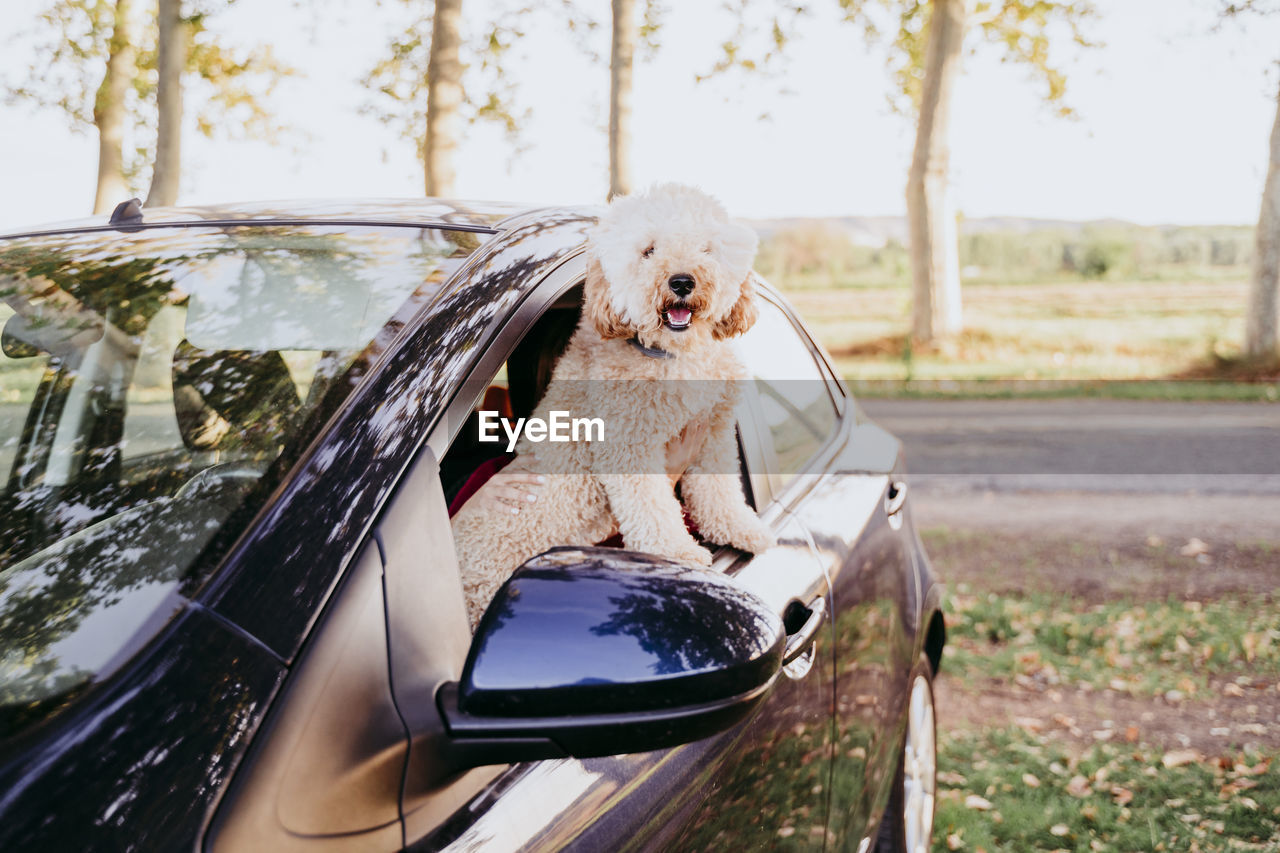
column 668, row 281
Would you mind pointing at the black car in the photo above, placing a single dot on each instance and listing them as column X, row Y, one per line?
column 230, row 611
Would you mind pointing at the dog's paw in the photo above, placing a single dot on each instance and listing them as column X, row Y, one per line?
column 692, row 553
column 753, row 535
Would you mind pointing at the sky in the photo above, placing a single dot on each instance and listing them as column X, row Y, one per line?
column 1172, row 127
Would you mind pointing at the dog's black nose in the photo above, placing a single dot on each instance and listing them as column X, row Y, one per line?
column 681, row 285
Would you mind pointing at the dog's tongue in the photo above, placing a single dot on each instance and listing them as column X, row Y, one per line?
column 679, row 316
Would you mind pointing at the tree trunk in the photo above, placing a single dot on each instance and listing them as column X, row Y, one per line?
column 109, row 112
column 931, row 216
column 444, row 98
column 171, row 59
column 1264, row 306
column 621, row 61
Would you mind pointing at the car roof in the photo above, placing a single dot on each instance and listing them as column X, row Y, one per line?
column 465, row 215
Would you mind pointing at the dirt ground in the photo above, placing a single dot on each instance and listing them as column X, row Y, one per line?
column 1096, row 548
column 1211, row 726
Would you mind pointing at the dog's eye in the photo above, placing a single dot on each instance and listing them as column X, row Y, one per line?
column 647, row 252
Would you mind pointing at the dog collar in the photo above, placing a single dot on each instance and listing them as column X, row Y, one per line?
column 652, row 352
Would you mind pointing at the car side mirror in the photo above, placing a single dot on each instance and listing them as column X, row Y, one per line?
column 588, row 652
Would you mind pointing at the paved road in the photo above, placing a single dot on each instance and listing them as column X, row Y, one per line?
column 1087, row 445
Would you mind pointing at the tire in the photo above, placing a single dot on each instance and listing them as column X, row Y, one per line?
column 907, row 825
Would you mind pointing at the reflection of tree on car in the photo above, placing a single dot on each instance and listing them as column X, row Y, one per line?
column 102, row 521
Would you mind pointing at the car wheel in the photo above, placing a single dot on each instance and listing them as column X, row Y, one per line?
column 907, row 826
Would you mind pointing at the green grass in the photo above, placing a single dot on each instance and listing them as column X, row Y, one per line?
column 1035, row 786
column 1007, row 789
column 1043, row 640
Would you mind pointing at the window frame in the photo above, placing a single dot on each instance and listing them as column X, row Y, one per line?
column 571, row 271
column 789, row 492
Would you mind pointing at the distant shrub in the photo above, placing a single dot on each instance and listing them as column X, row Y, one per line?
column 1101, row 256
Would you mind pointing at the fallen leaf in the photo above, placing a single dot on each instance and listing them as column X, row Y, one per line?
column 1232, row 689
column 1030, row 780
column 1131, row 734
column 1194, row 548
column 1122, row 796
column 1256, row 770
column 1059, row 829
column 1179, row 757
column 1250, row 644
column 973, row 801
column 1031, row 724
column 786, row 832
column 1078, row 787
column 954, row 841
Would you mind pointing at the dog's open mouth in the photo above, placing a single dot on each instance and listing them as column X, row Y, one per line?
column 677, row 318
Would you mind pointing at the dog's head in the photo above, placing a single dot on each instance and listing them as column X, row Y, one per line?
column 671, row 268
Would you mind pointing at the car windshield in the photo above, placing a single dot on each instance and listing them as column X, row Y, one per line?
column 155, row 387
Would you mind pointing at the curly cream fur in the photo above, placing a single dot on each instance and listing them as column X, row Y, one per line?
column 597, row 489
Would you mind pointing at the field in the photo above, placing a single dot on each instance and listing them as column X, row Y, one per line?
column 1129, row 338
column 1105, row 309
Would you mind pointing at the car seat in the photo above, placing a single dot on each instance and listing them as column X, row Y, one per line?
column 237, row 405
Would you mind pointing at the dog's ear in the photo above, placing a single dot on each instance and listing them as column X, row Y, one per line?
column 742, row 316
column 596, row 305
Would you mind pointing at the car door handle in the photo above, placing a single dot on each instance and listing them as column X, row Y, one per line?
column 896, row 498
column 801, row 641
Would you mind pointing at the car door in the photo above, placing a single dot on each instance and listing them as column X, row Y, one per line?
column 763, row 784
column 837, row 476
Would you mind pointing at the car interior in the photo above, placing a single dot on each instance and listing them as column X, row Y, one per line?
column 138, row 417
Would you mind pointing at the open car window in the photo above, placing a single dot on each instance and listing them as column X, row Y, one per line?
column 155, row 388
